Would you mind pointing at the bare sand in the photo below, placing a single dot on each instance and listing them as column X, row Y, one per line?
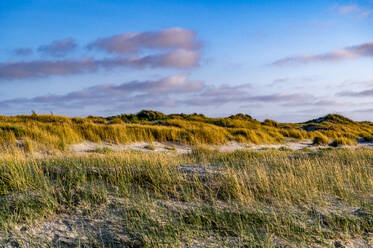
column 181, row 149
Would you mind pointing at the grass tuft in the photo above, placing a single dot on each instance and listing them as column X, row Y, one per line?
column 343, row 142
column 320, row 140
column 150, row 147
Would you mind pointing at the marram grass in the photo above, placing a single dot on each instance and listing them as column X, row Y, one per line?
column 237, row 199
column 50, row 132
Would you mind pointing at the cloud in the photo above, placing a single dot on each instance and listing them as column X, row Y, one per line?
column 172, row 84
column 286, row 81
column 43, row 68
column 363, row 50
column 352, row 9
column 178, row 58
column 175, row 48
column 329, row 103
column 280, row 80
column 58, row 48
column 355, row 83
column 364, row 93
column 106, row 94
column 173, row 38
column 23, row 51
column 365, row 83
column 215, row 96
column 281, row 97
column 173, row 91
column 367, row 110
column 319, row 102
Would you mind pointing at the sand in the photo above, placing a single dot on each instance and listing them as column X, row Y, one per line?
column 86, row 147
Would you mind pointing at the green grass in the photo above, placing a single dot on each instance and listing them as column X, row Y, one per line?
column 236, row 199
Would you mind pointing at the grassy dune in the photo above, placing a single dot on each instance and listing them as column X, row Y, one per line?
column 240, row 199
column 205, row 198
column 50, row 132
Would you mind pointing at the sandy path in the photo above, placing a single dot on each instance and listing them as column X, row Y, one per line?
column 181, row 149
column 138, row 146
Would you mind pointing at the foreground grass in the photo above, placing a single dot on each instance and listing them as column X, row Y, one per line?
column 206, row 198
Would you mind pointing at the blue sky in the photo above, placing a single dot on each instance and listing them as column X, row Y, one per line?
column 284, row 60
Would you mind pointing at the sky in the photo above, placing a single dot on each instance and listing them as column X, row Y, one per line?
column 285, row 60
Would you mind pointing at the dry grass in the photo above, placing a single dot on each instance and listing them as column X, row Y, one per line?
column 204, row 198
column 236, row 199
column 343, row 142
column 150, row 147
column 320, row 140
column 50, row 133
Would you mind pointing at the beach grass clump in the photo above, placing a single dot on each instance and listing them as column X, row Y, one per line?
column 171, row 147
column 342, row 141
column 116, row 121
column 28, row 145
column 151, row 147
column 103, row 150
column 320, row 139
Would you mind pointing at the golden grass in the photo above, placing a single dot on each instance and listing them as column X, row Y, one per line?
column 320, row 139
column 50, row 132
column 343, row 142
column 305, row 198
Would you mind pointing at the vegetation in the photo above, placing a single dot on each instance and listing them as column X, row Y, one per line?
column 320, row 140
column 343, row 142
column 150, row 147
column 102, row 150
column 55, row 133
column 204, row 198
column 111, row 198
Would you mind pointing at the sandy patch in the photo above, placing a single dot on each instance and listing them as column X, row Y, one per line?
column 86, row 147
column 138, row 146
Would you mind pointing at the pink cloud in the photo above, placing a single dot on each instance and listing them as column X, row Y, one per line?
column 172, row 38
column 363, row 50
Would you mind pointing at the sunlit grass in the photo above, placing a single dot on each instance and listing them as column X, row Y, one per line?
column 242, row 197
column 49, row 132
column 237, row 199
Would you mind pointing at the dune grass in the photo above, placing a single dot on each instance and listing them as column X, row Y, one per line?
column 320, row 139
column 343, row 142
column 203, row 198
column 50, row 133
column 236, row 199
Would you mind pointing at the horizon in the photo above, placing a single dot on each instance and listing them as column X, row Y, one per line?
column 191, row 114
column 289, row 61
